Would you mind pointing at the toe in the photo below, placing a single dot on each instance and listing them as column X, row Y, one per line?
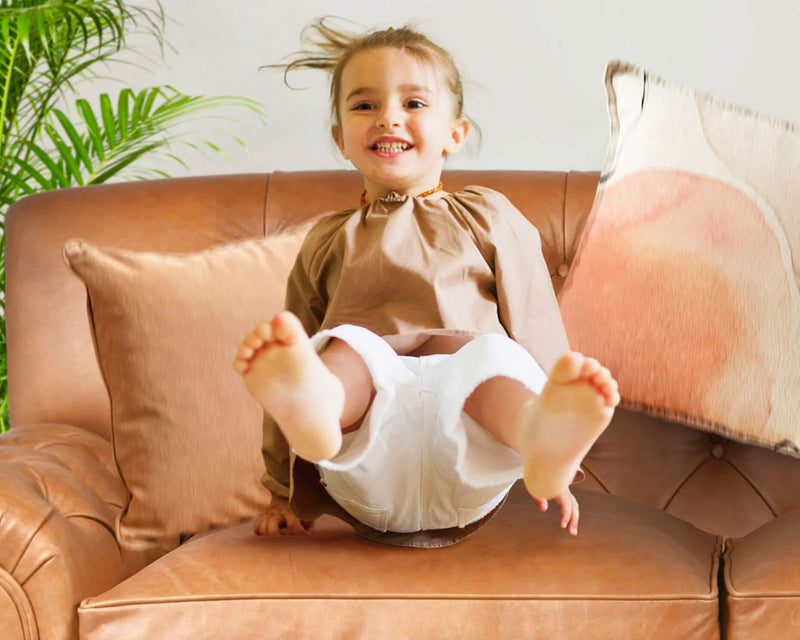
column 601, row 377
column 253, row 341
column 591, row 368
column 287, row 328
column 567, row 368
column 610, row 390
column 264, row 331
column 245, row 352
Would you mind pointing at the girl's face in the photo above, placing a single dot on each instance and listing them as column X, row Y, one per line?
column 398, row 122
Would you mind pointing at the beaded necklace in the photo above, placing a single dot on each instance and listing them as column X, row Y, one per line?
column 438, row 187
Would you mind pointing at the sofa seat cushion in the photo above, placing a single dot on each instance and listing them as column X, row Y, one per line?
column 643, row 573
column 762, row 580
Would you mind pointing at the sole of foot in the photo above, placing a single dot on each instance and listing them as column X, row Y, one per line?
column 558, row 428
column 283, row 372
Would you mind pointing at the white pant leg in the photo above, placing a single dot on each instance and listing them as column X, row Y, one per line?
column 387, row 371
column 481, row 461
column 417, row 461
column 376, row 476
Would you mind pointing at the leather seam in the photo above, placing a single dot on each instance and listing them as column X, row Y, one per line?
column 88, row 605
column 753, row 487
column 36, row 570
column 18, row 596
column 589, row 472
column 32, row 537
column 682, row 484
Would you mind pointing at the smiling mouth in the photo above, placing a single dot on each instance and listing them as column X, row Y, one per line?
column 391, row 147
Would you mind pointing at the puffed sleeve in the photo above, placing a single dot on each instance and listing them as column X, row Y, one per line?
column 526, row 302
column 301, row 300
column 304, row 300
column 302, row 297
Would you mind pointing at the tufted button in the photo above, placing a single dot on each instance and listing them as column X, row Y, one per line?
column 717, row 451
column 563, row 270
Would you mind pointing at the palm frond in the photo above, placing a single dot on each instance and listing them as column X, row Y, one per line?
column 102, row 142
column 49, row 43
column 45, row 47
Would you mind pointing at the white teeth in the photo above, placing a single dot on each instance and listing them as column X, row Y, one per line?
column 391, row 147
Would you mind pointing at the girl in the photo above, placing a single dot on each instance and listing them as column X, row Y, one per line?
column 420, row 396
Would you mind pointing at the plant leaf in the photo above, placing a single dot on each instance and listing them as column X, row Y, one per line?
column 23, row 32
column 65, row 154
column 57, row 175
column 92, row 128
column 123, row 106
column 107, row 114
column 77, row 141
column 23, row 183
column 123, row 162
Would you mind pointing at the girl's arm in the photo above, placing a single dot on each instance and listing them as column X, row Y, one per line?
column 302, row 298
column 511, row 246
column 526, row 301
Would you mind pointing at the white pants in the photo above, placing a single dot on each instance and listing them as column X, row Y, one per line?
column 418, row 462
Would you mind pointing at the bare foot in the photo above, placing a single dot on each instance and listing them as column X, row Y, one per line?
column 283, row 372
column 557, row 429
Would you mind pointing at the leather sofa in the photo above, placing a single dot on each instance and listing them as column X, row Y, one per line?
column 684, row 534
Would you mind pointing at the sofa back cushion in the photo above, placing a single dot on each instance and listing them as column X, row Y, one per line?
column 53, row 371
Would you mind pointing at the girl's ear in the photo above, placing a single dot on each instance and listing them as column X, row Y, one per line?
column 458, row 135
column 336, row 132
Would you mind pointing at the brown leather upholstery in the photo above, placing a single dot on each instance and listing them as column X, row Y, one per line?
column 59, row 496
column 47, row 320
column 634, row 571
column 761, row 576
column 609, row 582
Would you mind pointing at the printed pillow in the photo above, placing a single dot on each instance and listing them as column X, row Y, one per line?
column 186, row 434
column 686, row 279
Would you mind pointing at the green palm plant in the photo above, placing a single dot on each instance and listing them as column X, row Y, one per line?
column 45, row 47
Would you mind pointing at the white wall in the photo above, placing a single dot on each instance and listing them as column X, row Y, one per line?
column 534, row 68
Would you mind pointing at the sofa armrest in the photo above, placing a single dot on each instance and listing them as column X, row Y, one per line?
column 60, row 496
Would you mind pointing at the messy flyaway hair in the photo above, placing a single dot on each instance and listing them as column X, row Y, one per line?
column 329, row 48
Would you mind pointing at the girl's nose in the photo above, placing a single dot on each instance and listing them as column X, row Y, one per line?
column 389, row 116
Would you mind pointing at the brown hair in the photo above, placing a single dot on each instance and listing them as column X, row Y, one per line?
column 330, row 49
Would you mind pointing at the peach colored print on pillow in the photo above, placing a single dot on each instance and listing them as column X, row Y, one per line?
column 693, row 285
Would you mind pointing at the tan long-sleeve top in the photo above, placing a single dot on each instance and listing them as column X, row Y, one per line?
column 464, row 263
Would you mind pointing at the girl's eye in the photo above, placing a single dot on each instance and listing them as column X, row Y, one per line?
column 362, row 106
column 415, row 104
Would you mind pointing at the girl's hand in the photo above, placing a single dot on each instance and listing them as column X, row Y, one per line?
column 280, row 521
column 570, row 513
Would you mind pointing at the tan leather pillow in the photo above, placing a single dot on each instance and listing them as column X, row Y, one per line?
column 686, row 279
column 186, row 434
